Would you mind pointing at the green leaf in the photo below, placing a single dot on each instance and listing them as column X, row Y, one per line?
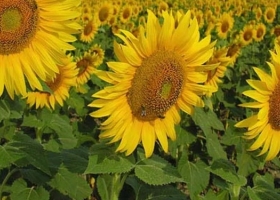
column 63, row 129
column 4, row 110
column 252, row 194
column 34, row 176
column 264, row 187
column 70, row 184
column 226, row 170
column 32, row 121
column 147, row 192
column 9, row 155
column 155, row 170
column 245, row 162
column 214, row 147
column 33, row 151
column 21, row 191
column 194, row 174
column 103, row 161
column 207, row 120
column 75, row 160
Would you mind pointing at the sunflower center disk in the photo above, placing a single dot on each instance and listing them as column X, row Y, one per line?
column 274, row 109
column 18, row 24
column 156, row 85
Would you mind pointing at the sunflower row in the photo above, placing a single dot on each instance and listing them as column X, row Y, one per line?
column 162, row 67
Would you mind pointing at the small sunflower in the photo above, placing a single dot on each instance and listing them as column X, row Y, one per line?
column 276, row 30
column 247, row 34
column 224, row 25
column 269, row 14
column 159, row 73
column 104, row 12
column 233, row 52
column 125, row 13
column 59, row 87
column 34, row 35
column 264, row 126
column 260, row 30
column 86, row 67
column 221, row 58
column 162, row 6
column 89, row 30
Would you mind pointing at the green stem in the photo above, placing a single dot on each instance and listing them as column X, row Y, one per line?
column 117, row 185
column 235, row 191
column 5, row 181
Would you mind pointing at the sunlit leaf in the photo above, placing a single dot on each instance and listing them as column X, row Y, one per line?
column 155, row 170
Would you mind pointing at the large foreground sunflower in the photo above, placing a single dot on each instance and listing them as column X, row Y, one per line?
column 158, row 74
column 33, row 39
column 264, row 126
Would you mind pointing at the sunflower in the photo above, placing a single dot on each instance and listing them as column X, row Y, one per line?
column 221, row 58
column 233, row 52
column 158, row 74
column 162, row 6
column 247, row 34
column 264, row 126
column 125, row 13
column 89, row 31
column 258, row 13
column 276, row 30
column 260, row 30
column 33, row 39
column 58, row 87
column 104, row 12
column 86, row 67
column 224, row 25
column 269, row 14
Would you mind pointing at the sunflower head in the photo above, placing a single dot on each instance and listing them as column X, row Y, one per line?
column 157, row 74
column 264, row 127
column 269, row 14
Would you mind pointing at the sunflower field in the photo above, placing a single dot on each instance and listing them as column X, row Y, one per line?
column 139, row 99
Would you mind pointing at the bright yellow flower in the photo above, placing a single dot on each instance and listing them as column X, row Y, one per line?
column 158, row 74
column 264, row 126
column 224, row 25
column 34, row 36
column 59, row 87
column 269, row 14
column 260, row 30
column 247, row 34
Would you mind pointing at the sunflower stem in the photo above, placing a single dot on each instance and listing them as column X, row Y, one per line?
column 5, row 180
column 117, row 185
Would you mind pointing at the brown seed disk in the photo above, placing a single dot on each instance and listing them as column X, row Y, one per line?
column 18, row 24
column 156, row 85
column 274, row 109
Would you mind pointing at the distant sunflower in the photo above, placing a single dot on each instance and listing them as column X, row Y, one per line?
column 233, row 52
column 89, row 30
column 276, row 30
column 260, row 30
column 221, row 58
column 159, row 73
column 59, row 87
column 125, row 13
column 224, row 25
column 33, row 39
column 269, row 14
column 104, row 12
column 86, row 67
column 162, row 6
column 247, row 34
column 264, row 126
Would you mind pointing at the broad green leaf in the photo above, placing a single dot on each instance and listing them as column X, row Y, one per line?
column 75, row 160
column 103, row 161
column 4, row 110
column 147, row 192
column 9, row 155
column 63, row 129
column 226, row 170
column 194, row 174
column 232, row 135
column 33, row 151
column 70, row 184
column 246, row 162
column 21, row 191
column 252, row 194
column 34, row 176
column 32, row 121
column 207, row 119
column 155, row 170
column 214, row 147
